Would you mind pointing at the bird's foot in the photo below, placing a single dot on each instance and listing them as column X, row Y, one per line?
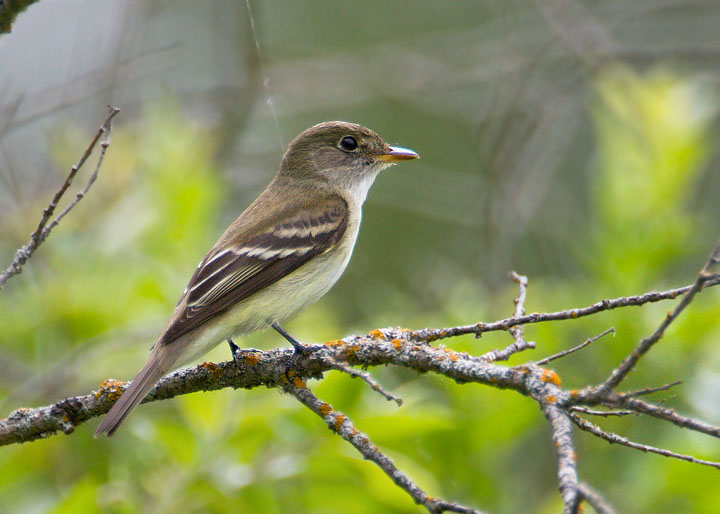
column 300, row 349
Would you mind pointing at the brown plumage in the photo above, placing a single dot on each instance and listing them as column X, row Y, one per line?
column 280, row 255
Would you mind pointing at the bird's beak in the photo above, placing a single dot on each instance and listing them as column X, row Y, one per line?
column 398, row 153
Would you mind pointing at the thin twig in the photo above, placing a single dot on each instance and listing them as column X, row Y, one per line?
column 518, row 331
column 610, row 437
column 627, row 365
column 604, row 413
column 43, row 229
column 650, row 390
column 341, row 425
column 656, row 411
column 595, row 499
column 368, row 378
column 435, row 334
column 576, row 348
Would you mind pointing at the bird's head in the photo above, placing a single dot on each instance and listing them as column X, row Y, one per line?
column 340, row 154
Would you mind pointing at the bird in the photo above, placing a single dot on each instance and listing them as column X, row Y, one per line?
column 282, row 254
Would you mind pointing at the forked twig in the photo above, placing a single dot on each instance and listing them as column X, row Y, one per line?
column 517, row 331
column 43, row 229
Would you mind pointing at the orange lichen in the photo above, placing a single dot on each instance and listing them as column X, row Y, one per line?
column 339, row 421
column 335, row 343
column 397, row 343
column 552, row 377
column 376, row 334
column 213, row 368
column 299, row 382
column 574, row 393
column 451, row 353
column 574, row 314
column 22, row 411
column 551, row 399
column 112, row 388
column 252, row 359
column 325, row 409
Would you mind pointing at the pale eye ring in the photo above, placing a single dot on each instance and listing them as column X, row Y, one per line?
column 349, row 143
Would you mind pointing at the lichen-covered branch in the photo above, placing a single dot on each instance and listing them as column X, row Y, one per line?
column 413, row 350
column 255, row 368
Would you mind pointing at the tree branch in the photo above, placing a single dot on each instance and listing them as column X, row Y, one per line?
column 341, row 425
column 518, row 332
column 594, row 498
column 584, row 424
column 574, row 349
column 429, row 334
column 43, row 229
column 409, row 349
column 622, row 371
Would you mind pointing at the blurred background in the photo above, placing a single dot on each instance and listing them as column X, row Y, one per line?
column 572, row 141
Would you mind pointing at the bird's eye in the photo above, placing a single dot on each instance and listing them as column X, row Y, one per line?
column 349, row 143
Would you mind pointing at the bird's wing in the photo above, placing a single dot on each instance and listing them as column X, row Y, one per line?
column 230, row 274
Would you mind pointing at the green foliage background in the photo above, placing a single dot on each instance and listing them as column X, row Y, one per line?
column 595, row 174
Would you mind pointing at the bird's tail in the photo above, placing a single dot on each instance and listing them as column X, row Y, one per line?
column 133, row 395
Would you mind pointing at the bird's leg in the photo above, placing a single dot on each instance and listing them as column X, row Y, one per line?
column 299, row 348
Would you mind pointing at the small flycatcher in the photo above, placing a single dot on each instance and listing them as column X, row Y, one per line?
column 281, row 255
